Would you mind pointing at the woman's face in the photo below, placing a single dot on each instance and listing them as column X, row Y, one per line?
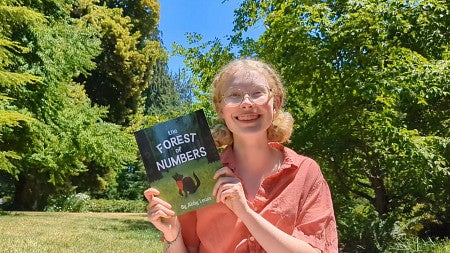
column 247, row 105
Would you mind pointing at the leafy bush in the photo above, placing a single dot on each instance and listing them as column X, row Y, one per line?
column 116, row 206
column 73, row 203
column 414, row 244
column 5, row 203
column 361, row 229
column 81, row 202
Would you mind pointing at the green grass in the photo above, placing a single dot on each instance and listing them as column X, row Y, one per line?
column 413, row 245
column 39, row 232
column 29, row 232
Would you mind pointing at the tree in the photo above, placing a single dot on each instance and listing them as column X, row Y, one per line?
column 368, row 85
column 144, row 15
column 204, row 60
column 161, row 92
column 10, row 117
column 68, row 144
column 127, row 57
column 172, row 93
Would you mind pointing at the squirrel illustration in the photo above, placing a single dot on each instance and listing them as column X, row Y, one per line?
column 186, row 185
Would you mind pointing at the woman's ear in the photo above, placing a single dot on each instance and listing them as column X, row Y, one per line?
column 276, row 103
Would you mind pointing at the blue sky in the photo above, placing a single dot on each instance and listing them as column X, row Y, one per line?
column 210, row 18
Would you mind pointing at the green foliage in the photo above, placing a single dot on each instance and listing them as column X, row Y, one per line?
column 144, row 14
column 116, row 206
column 172, row 94
column 72, row 203
column 161, row 93
column 68, row 145
column 131, row 183
column 204, row 59
column 419, row 245
column 69, row 68
column 368, row 85
column 10, row 117
column 83, row 203
column 125, row 62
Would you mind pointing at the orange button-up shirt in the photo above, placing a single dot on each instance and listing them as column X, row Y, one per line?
column 296, row 199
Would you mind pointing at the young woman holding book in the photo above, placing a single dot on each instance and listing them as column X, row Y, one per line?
column 269, row 198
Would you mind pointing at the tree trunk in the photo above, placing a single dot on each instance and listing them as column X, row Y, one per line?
column 381, row 200
column 29, row 195
column 20, row 195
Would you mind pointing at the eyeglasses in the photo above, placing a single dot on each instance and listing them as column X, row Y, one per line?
column 257, row 94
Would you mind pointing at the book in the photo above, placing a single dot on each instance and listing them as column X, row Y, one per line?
column 180, row 159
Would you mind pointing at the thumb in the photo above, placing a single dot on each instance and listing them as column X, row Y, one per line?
column 149, row 193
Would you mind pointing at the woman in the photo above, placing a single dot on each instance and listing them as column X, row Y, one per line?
column 269, row 198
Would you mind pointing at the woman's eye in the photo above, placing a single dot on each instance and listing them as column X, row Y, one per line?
column 257, row 93
column 234, row 94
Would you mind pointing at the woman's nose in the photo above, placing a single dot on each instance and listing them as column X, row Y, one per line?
column 246, row 101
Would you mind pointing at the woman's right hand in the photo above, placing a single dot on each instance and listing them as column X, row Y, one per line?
column 161, row 215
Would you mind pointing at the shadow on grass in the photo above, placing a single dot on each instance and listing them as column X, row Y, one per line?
column 138, row 225
column 126, row 224
column 10, row 213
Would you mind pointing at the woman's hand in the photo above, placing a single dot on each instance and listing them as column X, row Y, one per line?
column 229, row 190
column 161, row 215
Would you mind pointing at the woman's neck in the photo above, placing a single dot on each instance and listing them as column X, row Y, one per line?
column 255, row 157
column 254, row 162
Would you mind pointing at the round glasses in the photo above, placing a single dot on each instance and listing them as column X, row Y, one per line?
column 257, row 94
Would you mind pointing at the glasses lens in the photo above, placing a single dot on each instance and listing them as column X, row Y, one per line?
column 233, row 96
column 257, row 94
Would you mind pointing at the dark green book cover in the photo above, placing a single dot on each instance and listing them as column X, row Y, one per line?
column 180, row 159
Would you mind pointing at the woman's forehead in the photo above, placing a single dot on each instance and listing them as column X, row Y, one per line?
column 246, row 78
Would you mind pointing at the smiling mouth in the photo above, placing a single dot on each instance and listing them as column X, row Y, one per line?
column 247, row 117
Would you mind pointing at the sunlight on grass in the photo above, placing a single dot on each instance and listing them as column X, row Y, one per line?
column 35, row 232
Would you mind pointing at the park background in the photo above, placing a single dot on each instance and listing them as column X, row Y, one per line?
column 368, row 85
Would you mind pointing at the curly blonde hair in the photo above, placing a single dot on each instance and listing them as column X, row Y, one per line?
column 282, row 124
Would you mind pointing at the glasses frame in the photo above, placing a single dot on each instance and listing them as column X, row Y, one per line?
column 244, row 93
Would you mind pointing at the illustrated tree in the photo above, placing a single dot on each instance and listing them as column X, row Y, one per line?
column 368, row 85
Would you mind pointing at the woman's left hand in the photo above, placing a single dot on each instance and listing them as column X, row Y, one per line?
column 229, row 190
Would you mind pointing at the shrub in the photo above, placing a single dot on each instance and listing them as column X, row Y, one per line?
column 73, row 203
column 81, row 202
column 116, row 206
column 415, row 244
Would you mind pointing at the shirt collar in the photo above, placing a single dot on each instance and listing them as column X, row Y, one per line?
column 289, row 155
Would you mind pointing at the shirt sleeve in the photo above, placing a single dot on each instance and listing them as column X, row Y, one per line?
column 316, row 222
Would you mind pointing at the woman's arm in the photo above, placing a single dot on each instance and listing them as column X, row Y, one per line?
column 160, row 214
column 229, row 190
column 271, row 238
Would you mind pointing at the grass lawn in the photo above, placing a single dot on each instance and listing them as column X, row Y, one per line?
column 39, row 232
column 29, row 232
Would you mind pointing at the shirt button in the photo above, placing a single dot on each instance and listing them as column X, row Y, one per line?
column 251, row 238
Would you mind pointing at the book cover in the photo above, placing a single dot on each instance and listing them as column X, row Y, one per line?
column 180, row 159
